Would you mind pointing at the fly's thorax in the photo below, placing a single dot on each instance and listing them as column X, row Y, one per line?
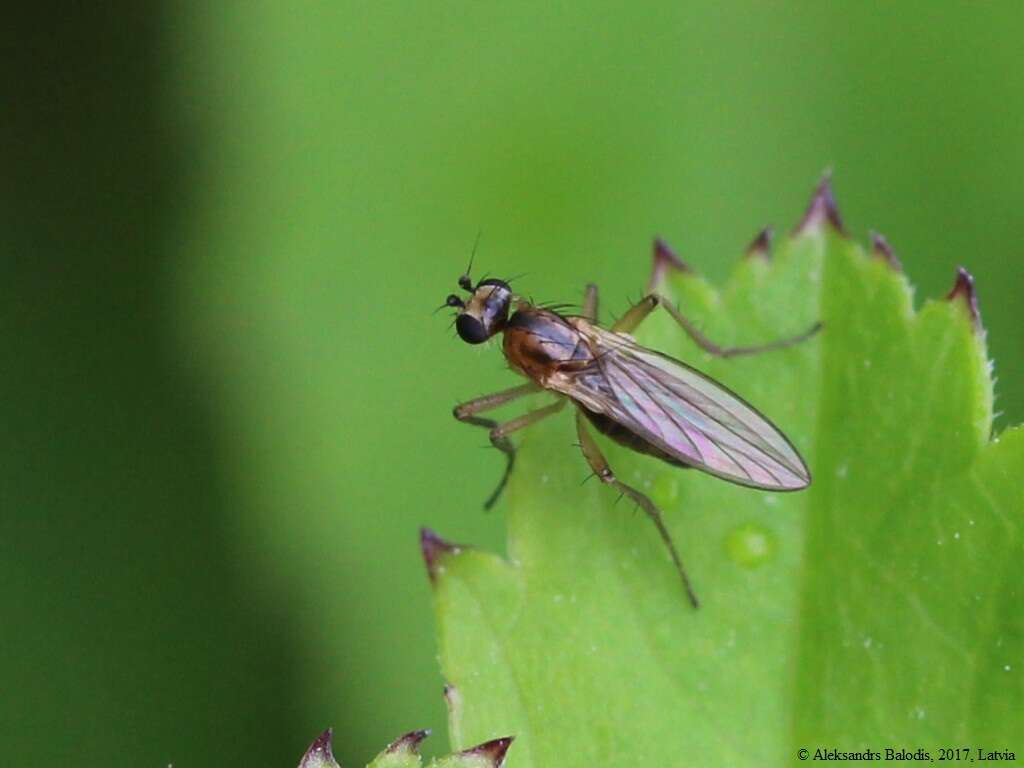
column 485, row 313
column 540, row 343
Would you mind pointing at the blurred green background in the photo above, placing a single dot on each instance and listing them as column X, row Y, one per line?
column 225, row 226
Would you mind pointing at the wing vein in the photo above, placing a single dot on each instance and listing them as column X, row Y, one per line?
column 720, row 446
column 744, row 441
column 767, row 450
column 698, row 453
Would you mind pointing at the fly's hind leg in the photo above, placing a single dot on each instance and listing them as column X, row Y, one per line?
column 466, row 412
column 600, row 467
column 639, row 312
column 590, row 303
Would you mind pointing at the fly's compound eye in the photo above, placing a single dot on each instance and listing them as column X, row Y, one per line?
column 470, row 329
column 454, row 301
column 465, row 283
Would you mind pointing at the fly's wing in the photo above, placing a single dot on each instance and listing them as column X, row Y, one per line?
column 684, row 413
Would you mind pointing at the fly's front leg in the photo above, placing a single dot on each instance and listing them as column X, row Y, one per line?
column 466, row 412
column 637, row 313
column 590, row 303
column 499, row 439
column 600, row 467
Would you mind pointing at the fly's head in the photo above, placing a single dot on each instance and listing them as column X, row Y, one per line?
column 484, row 313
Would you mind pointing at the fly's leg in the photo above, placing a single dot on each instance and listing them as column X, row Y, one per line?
column 499, row 439
column 600, row 467
column 466, row 412
column 590, row 303
column 638, row 312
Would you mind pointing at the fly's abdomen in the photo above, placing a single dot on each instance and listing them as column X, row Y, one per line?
column 624, row 436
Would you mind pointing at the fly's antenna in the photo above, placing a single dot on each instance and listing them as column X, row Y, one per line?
column 465, row 282
column 472, row 253
column 451, row 301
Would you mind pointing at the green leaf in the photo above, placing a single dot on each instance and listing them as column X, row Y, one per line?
column 880, row 608
column 403, row 752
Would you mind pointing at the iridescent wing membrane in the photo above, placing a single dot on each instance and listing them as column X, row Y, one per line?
column 684, row 413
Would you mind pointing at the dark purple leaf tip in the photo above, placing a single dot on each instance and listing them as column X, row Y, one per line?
column 319, row 752
column 492, row 750
column 761, row 246
column 664, row 261
column 822, row 210
column 963, row 290
column 410, row 742
column 881, row 249
column 434, row 550
column 663, row 253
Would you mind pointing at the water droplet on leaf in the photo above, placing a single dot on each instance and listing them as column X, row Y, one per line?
column 665, row 491
column 750, row 545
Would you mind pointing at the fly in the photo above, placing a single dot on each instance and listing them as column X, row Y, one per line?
column 640, row 398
